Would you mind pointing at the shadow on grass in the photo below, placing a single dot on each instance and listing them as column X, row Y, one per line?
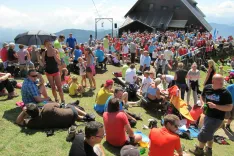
column 229, row 134
column 113, row 150
column 154, row 113
column 100, row 71
column 88, row 93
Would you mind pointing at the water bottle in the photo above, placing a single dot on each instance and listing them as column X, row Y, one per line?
column 205, row 108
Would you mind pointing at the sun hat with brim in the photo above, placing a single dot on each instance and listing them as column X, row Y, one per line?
column 129, row 150
column 109, row 83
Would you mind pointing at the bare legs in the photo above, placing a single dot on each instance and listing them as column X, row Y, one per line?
column 56, row 82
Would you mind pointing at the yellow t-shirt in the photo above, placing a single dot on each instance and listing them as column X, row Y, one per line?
column 72, row 89
column 102, row 96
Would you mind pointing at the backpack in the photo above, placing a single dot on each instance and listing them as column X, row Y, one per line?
column 132, row 90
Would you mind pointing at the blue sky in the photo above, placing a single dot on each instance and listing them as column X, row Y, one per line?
column 55, row 15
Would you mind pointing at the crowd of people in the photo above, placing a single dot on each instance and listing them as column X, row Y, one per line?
column 155, row 52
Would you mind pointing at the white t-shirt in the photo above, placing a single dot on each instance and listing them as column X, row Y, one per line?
column 125, row 49
column 146, row 83
column 142, row 58
column 168, row 54
column 130, row 74
column 155, row 54
column 169, row 78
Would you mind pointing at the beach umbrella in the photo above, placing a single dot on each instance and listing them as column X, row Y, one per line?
column 34, row 37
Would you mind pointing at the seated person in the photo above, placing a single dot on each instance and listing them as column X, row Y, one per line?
column 153, row 92
column 75, row 87
column 50, row 116
column 102, row 96
column 166, row 79
column 146, row 82
column 5, row 83
column 101, row 57
column 131, row 76
column 88, row 144
column 164, row 141
column 125, row 68
column 65, row 78
column 129, row 150
column 31, row 93
column 116, row 123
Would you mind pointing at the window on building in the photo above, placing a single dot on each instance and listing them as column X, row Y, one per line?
column 177, row 7
column 151, row 7
column 164, row 7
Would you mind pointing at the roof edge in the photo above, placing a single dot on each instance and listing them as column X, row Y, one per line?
column 133, row 7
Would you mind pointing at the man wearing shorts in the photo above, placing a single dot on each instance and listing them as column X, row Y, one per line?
column 230, row 115
column 216, row 101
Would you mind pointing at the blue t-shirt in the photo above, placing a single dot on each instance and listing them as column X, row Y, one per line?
column 71, row 42
column 100, row 55
column 147, row 61
column 230, row 88
column 106, row 104
column 78, row 53
column 151, row 48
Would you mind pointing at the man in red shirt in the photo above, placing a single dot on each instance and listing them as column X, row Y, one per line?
column 164, row 141
column 116, row 122
column 3, row 54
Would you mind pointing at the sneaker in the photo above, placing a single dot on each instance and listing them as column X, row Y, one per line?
column 208, row 151
column 71, row 134
column 197, row 151
column 228, row 128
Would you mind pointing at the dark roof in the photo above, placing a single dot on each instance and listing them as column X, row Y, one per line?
column 155, row 21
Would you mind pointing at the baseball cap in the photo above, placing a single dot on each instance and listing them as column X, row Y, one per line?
column 129, row 150
column 5, row 44
column 109, row 83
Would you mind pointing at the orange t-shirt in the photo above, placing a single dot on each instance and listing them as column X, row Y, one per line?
column 163, row 142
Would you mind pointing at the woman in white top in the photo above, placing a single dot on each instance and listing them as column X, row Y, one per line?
column 193, row 77
column 125, row 51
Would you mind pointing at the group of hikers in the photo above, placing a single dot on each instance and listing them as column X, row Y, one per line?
column 155, row 52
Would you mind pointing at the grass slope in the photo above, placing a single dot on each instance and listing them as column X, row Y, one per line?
column 16, row 141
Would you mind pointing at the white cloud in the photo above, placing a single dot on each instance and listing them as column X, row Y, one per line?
column 61, row 18
column 222, row 12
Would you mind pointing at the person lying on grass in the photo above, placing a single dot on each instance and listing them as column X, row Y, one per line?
column 51, row 116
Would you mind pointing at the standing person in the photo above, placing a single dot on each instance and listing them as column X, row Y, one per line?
column 90, row 40
column 116, row 123
column 146, row 81
column 106, row 44
column 90, row 68
column 132, row 48
column 34, row 55
column 58, row 47
column 168, row 54
column 230, row 115
column 147, row 61
column 23, row 55
column 3, row 53
column 164, row 141
column 125, row 50
column 51, row 60
column 211, row 72
column 193, row 77
column 82, row 66
column 77, row 53
column 151, row 49
column 216, row 101
column 180, row 76
column 85, row 144
column 71, row 42
column 142, row 58
column 161, row 64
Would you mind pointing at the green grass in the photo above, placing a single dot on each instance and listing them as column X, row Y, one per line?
column 15, row 141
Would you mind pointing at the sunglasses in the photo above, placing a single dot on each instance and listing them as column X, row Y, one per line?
column 33, row 75
column 101, row 136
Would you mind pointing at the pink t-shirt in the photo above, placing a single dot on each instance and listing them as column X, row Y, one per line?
column 21, row 56
column 114, row 127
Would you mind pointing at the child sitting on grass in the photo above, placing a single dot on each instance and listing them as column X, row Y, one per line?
column 82, row 66
column 75, row 88
column 65, row 78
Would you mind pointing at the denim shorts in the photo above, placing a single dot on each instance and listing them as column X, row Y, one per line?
column 211, row 125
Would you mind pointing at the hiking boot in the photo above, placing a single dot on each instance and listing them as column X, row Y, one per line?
column 228, row 128
column 197, row 151
column 208, row 151
column 71, row 134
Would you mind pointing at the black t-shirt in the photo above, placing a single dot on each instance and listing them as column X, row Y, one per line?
column 181, row 75
column 10, row 55
column 218, row 97
column 80, row 147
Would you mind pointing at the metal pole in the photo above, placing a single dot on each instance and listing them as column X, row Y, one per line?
column 112, row 29
column 95, row 29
